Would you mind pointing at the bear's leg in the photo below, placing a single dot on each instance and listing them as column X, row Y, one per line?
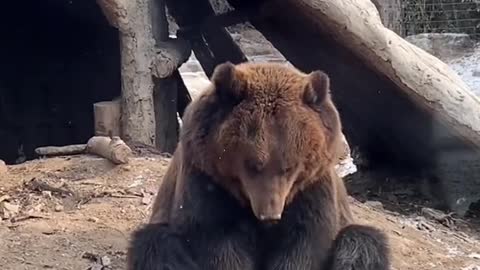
column 360, row 247
column 156, row 247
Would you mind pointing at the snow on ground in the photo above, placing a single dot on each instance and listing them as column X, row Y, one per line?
column 468, row 67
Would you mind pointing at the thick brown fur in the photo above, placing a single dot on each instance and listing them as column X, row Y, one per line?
column 269, row 136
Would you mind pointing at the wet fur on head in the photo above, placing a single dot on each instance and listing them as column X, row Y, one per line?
column 254, row 113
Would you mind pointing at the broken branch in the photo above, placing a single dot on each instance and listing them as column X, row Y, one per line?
column 170, row 55
column 74, row 149
column 113, row 149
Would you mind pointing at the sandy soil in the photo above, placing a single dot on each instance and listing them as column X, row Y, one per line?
column 78, row 212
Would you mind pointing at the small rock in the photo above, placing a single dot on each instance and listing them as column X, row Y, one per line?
column 374, row 204
column 471, row 267
column 397, row 232
column 106, row 261
column 9, row 210
column 474, row 256
column 90, row 256
column 38, row 208
column 147, row 198
column 4, row 198
column 93, row 219
column 58, row 208
column 476, row 73
column 47, row 194
column 96, row 266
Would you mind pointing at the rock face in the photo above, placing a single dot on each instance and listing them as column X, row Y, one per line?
column 443, row 45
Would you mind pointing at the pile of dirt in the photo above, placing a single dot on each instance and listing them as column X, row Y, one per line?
column 78, row 212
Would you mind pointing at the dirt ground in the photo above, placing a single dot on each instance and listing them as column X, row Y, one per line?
column 77, row 213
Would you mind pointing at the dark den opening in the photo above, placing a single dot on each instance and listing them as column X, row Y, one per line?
column 58, row 58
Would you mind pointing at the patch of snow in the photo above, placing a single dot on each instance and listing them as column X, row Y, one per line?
column 468, row 68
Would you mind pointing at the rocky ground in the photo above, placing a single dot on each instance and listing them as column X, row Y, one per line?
column 78, row 212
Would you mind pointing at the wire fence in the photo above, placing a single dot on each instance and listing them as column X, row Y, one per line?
column 437, row 16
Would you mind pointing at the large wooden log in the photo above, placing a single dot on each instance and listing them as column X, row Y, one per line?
column 401, row 105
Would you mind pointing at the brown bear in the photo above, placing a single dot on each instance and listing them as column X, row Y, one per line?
column 252, row 183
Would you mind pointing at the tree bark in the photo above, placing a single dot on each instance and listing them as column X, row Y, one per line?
column 134, row 22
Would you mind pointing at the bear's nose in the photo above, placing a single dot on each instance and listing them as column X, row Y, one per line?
column 270, row 218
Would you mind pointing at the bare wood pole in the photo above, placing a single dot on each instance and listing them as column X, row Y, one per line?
column 168, row 87
column 133, row 20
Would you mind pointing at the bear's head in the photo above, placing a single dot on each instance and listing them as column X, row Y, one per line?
column 264, row 132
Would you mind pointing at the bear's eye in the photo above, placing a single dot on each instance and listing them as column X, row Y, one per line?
column 254, row 166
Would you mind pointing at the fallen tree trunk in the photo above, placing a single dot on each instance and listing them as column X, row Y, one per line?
column 113, row 149
column 74, row 149
column 402, row 106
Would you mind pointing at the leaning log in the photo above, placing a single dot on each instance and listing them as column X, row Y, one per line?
column 402, row 106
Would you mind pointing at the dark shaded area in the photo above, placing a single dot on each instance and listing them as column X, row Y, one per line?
column 58, row 58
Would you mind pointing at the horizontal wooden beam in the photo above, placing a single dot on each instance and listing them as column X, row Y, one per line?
column 170, row 55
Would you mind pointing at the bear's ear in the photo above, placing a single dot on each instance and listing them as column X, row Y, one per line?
column 224, row 78
column 317, row 89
